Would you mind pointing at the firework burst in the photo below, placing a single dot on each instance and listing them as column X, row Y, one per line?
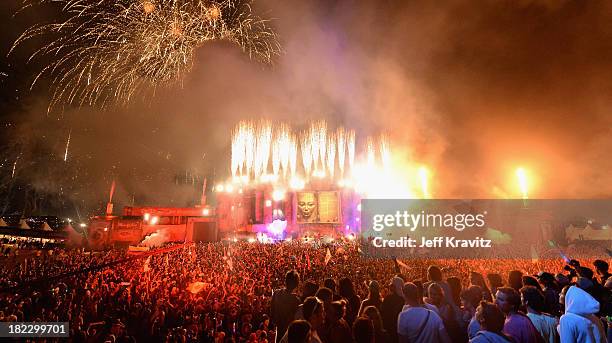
column 109, row 51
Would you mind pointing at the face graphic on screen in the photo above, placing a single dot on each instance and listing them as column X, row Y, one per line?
column 307, row 206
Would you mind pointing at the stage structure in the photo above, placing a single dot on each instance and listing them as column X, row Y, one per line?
column 284, row 184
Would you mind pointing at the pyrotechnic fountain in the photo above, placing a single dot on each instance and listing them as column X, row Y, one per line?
column 266, row 153
column 311, row 178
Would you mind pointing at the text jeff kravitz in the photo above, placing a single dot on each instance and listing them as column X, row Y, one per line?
column 434, row 242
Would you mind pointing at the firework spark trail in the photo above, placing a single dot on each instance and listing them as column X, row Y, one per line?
column 293, row 149
column 67, row 146
column 237, row 153
column 14, row 167
column 385, row 151
column 276, row 156
column 322, row 134
column 255, row 143
column 331, row 154
column 370, row 152
column 307, row 150
column 241, row 135
column 314, row 145
column 111, row 51
column 284, row 142
column 262, row 150
column 341, row 144
column 248, row 132
column 350, row 145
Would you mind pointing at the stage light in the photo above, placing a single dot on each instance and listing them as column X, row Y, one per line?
column 268, row 203
column 83, row 225
column 105, row 229
column 154, row 220
column 318, row 174
column 296, row 183
column 359, row 207
column 205, row 212
column 146, row 217
column 278, row 195
column 220, row 188
column 229, row 188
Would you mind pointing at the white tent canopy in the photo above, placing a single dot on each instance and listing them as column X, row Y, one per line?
column 23, row 225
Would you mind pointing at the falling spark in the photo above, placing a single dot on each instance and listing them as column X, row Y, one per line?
column 67, row 146
column 14, row 167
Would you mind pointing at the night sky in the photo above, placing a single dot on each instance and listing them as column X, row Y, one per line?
column 471, row 88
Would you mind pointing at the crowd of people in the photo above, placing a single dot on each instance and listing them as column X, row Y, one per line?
column 297, row 292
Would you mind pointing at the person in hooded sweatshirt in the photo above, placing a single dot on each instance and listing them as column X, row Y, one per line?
column 579, row 324
column 491, row 320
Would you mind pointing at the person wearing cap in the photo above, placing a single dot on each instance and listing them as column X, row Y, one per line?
column 373, row 299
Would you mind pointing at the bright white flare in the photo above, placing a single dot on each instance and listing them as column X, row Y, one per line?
column 521, row 174
column 424, row 178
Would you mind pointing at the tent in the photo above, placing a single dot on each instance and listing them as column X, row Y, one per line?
column 23, row 225
column 45, row 227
